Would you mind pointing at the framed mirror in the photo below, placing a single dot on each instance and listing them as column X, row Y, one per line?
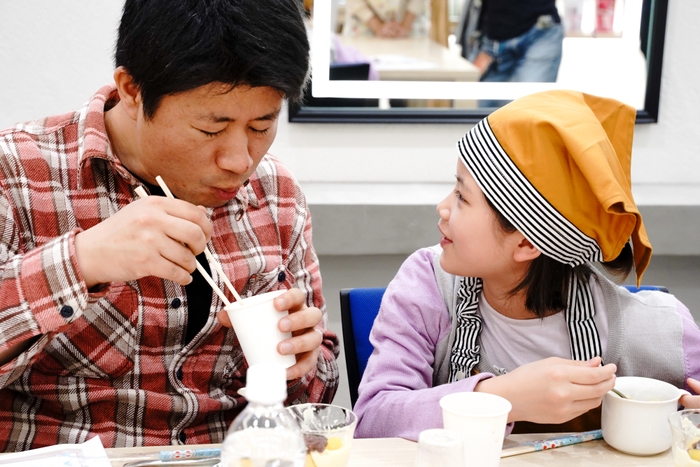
column 423, row 81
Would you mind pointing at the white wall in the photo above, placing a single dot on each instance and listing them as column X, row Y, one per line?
column 56, row 53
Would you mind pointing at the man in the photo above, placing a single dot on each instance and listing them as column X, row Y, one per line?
column 519, row 41
column 104, row 328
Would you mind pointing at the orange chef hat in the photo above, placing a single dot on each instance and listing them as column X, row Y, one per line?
column 556, row 164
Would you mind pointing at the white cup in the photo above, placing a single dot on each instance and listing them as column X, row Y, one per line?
column 480, row 419
column 639, row 425
column 255, row 321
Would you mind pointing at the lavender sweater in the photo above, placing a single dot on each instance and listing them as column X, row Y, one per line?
column 651, row 334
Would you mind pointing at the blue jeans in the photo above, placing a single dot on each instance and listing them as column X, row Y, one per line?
column 531, row 57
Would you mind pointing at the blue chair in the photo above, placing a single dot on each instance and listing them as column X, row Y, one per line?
column 358, row 308
column 657, row 288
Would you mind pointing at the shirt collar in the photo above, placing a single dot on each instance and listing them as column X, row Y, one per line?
column 93, row 141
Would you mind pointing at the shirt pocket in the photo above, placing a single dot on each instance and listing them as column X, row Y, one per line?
column 279, row 278
column 101, row 343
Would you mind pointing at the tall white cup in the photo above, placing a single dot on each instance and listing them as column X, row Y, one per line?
column 255, row 321
column 480, row 419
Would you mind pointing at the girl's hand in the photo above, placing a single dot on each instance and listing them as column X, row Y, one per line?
column 553, row 390
column 691, row 402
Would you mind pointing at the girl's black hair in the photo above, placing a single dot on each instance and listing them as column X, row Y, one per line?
column 546, row 283
column 173, row 46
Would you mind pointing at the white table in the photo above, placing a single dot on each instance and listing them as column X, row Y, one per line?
column 396, row 452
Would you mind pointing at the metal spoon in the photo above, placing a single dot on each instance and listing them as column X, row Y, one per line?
column 619, row 393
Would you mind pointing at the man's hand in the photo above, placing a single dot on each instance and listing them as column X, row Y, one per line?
column 384, row 29
column 483, row 62
column 301, row 322
column 154, row 236
column 553, row 390
column 691, row 402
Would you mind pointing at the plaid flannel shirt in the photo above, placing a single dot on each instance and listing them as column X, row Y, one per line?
column 113, row 362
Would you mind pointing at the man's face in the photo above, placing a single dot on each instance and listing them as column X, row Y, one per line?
column 206, row 142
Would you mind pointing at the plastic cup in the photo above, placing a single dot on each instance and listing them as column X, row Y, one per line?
column 255, row 321
column 686, row 436
column 328, row 433
column 480, row 419
column 438, row 447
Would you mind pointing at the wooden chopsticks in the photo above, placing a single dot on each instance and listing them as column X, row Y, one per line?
column 212, row 261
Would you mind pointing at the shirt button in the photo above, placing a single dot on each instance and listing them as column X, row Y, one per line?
column 179, row 374
column 66, row 311
column 183, row 437
column 176, row 303
column 281, row 276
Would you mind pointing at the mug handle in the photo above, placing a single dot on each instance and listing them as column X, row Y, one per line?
column 681, row 393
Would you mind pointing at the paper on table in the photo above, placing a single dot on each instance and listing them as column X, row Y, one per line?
column 88, row 454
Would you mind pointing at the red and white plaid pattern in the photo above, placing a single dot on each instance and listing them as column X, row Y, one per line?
column 111, row 368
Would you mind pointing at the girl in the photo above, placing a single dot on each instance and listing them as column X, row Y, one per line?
column 509, row 302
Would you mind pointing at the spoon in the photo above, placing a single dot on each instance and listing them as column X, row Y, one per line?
column 619, row 393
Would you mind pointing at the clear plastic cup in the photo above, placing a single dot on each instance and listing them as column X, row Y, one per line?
column 328, row 432
column 686, row 436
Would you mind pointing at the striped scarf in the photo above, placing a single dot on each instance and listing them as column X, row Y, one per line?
column 583, row 333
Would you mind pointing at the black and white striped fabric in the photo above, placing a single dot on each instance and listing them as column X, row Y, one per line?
column 583, row 333
column 466, row 349
column 520, row 202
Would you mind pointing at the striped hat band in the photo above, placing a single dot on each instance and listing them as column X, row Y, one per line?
column 517, row 199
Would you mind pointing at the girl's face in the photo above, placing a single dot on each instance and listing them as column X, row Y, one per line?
column 473, row 243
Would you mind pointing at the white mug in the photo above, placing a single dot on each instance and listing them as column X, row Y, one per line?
column 639, row 425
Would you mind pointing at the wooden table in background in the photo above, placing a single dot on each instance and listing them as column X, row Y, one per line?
column 447, row 65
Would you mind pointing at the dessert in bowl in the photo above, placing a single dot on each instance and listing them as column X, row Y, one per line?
column 328, row 432
column 685, row 428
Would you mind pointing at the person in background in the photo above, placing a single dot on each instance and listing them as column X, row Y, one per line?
column 387, row 18
column 519, row 42
column 105, row 327
column 509, row 303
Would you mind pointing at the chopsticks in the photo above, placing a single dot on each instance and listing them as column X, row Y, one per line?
column 551, row 443
column 212, row 261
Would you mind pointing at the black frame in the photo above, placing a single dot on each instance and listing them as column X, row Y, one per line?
column 649, row 114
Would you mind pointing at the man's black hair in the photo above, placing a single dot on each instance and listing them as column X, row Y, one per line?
column 172, row 46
